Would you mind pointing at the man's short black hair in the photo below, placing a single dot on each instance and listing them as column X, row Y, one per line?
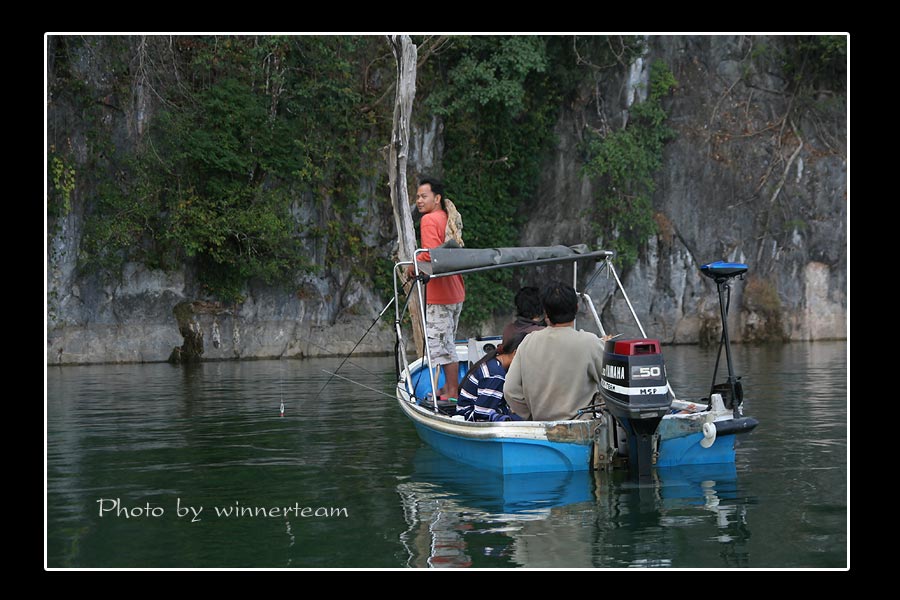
column 528, row 303
column 436, row 186
column 560, row 302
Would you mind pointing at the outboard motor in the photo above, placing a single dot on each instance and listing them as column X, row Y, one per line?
column 634, row 386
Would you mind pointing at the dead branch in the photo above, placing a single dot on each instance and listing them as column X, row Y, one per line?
column 580, row 60
column 369, row 66
column 789, row 163
column 431, row 45
column 618, row 55
column 784, row 175
column 722, row 97
column 759, row 131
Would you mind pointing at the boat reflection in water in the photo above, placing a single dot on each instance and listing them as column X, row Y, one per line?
column 459, row 516
column 453, row 509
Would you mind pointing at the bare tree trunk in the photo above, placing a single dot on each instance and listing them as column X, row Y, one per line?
column 405, row 53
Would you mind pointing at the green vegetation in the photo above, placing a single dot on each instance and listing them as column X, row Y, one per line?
column 816, row 62
column 626, row 160
column 62, row 184
column 249, row 129
column 816, row 66
column 499, row 109
column 815, row 72
column 500, row 98
column 253, row 161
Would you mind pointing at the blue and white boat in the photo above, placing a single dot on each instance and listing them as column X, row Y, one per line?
column 634, row 420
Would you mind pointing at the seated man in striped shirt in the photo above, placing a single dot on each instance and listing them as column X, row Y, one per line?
column 481, row 394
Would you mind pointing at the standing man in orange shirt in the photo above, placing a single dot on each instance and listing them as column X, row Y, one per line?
column 444, row 295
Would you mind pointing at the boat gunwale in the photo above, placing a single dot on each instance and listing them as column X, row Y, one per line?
column 697, row 418
column 487, row 430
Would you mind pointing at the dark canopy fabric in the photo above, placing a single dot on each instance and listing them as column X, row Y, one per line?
column 452, row 261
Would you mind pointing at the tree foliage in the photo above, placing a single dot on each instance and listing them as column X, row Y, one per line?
column 259, row 146
column 254, row 127
column 816, row 62
column 499, row 108
column 626, row 160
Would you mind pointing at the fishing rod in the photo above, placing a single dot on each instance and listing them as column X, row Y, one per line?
column 596, row 274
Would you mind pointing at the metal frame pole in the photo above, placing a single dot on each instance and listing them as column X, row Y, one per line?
column 397, row 316
column 736, row 406
column 431, row 373
column 627, row 301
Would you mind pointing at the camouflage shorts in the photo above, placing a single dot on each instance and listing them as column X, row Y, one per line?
column 441, row 324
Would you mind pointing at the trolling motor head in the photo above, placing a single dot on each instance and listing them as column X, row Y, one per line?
column 721, row 271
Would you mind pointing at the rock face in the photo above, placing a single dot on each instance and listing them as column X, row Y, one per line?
column 268, row 325
column 141, row 314
column 739, row 182
column 150, row 317
column 126, row 321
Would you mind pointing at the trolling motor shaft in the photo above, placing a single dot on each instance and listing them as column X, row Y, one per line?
column 722, row 273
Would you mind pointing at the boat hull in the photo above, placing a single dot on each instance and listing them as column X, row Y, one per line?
column 680, row 436
column 513, row 447
column 507, row 448
column 508, row 456
column 686, row 450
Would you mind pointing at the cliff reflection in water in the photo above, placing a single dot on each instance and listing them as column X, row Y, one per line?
column 458, row 516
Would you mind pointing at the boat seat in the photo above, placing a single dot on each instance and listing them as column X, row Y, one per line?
column 478, row 347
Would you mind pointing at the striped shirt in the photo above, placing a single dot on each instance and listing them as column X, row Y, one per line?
column 481, row 395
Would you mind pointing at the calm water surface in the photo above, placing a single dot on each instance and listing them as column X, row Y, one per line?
column 168, row 466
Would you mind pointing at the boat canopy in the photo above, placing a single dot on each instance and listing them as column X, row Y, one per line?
column 446, row 261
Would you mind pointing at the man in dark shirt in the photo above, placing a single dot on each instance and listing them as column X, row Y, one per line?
column 530, row 313
column 556, row 371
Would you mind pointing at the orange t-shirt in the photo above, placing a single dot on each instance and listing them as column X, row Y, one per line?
column 440, row 290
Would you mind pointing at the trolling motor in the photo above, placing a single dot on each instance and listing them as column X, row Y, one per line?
column 634, row 386
column 732, row 391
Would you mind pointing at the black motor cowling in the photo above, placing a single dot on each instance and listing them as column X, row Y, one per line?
column 634, row 386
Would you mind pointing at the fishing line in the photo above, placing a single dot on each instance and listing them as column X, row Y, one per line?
column 281, row 386
column 352, row 364
column 357, row 383
column 333, row 375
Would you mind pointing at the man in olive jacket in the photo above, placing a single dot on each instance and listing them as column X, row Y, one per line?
column 556, row 370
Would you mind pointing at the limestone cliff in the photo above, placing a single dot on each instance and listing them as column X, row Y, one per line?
column 746, row 179
column 749, row 177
